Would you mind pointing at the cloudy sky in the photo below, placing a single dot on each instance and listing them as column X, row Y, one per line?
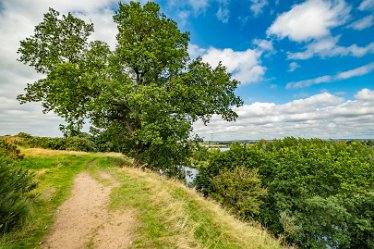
column 306, row 67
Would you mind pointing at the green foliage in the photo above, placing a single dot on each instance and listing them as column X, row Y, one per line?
column 77, row 143
column 320, row 193
column 15, row 185
column 142, row 97
column 240, row 189
column 9, row 150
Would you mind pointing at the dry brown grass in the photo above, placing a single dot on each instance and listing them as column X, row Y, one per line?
column 49, row 152
column 232, row 230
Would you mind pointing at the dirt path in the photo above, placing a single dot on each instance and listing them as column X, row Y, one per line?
column 83, row 221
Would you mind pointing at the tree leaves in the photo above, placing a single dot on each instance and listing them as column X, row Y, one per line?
column 144, row 96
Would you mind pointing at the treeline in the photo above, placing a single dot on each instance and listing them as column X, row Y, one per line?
column 313, row 193
column 81, row 142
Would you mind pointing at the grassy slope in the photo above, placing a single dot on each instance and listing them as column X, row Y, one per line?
column 169, row 214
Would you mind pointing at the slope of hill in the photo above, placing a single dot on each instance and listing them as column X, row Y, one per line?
column 120, row 206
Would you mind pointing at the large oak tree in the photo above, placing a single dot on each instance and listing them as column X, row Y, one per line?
column 143, row 96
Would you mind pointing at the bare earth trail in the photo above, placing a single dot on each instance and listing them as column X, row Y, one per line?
column 83, row 220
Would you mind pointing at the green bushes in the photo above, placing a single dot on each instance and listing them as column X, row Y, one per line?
column 14, row 188
column 320, row 193
column 68, row 143
column 78, row 143
column 240, row 189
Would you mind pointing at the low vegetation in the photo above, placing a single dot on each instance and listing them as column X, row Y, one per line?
column 168, row 214
column 16, row 183
column 319, row 193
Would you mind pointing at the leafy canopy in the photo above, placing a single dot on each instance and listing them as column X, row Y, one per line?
column 143, row 96
column 320, row 194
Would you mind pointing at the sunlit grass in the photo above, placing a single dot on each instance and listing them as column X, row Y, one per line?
column 174, row 216
column 168, row 214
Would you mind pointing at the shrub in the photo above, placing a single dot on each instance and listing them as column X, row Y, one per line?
column 79, row 143
column 14, row 187
column 240, row 189
column 10, row 150
column 320, row 193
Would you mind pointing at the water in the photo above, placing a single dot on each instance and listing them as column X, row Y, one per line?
column 191, row 174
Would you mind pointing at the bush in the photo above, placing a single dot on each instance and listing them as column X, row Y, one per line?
column 14, row 187
column 10, row 150
column 240, row 189
column 320, row 193
column 79, row 143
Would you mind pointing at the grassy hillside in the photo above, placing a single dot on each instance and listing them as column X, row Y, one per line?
column 167, row 214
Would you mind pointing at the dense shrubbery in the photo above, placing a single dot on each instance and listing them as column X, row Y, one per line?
column 14, row 187
column 68, row 143
column 320, row 193
column 79, row 143
column 240, row 189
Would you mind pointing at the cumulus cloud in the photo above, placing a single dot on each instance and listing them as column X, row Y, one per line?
column 365, row 69
column 365, row 95
column 311, row 19
column 323, row 115
column 328, row 47
column 363, row 23
column 18, row 19
column 244, row 65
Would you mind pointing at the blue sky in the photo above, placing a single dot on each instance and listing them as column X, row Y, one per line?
column 242, row 26
column 306, row 66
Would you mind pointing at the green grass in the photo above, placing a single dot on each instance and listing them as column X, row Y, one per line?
column 167, row 214
column 173, row 216
column 55, row 176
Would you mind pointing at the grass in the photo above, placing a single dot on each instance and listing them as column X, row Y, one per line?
column 168, row 214
column 55, row 174
column 174, row 216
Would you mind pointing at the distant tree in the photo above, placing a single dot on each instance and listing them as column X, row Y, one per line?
column 144, row 96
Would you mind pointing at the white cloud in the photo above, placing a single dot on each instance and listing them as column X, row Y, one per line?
column 257, row 6
column 223, row 14
column 182, row 17
column 355, row 72
column 328, row 47
column 311, row 19
column 198, row 6
column 195, row 51
column 264, row 45
column 323, row 115
column 366, row 5
column 365, row 95
column 244, row 65
column 362, row 23
column 329, row 78
column 293, row 66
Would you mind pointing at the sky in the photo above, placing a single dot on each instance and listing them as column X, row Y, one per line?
column 306, row 67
